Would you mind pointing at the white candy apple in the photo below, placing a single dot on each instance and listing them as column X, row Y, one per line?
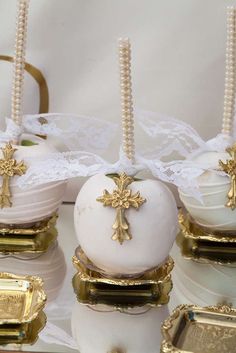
column 97, row 330
column 37, row 203
column 212, row 211
column 128, row 241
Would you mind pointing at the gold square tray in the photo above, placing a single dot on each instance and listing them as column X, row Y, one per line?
column 92, row 287
column 26, row 333
column 21, row 298
column 193, row 329
column 202, row 246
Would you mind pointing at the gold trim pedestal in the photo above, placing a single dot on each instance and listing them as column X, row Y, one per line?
column 93, row 287
column 203, row 245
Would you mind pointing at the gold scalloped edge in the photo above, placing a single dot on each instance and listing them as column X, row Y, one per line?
column 40, row 227
column 154, row 276
column 167, row 345
column 187, row 227
column 156, row 284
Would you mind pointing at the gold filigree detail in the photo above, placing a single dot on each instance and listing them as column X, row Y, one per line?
column 8, row 168
column 121, row 199
column 229, row 167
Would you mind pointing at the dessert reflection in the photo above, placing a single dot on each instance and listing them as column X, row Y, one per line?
column 101, row 328
column 50, row 266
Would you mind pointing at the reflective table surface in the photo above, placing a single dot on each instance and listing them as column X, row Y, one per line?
column 95, row 329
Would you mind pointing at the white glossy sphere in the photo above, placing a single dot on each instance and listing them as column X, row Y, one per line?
column 102, row 331
column 37, row 203
column 153, row 226
column 214, row 188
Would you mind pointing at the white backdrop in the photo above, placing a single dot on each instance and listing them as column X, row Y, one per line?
column 178, row 51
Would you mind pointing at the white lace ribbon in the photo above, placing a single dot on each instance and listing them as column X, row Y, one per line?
column 176, row 143
column 12, row 131
column 174, row 136
column 76, row 132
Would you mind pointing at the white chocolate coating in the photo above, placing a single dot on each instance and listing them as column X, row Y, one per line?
column 153, row 226
column 214, row 188
column 50, row 266
column 36, row 203
column 99, row 332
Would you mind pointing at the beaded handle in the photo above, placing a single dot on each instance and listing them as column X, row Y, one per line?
column 19, row 61
column 126, row 98
column 229, row 95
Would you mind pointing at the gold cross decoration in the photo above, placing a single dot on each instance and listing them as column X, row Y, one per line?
column 8, row 168
column 229, row 167
column 121, row 199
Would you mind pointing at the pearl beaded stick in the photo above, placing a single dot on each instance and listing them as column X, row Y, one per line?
column 229, row 95
column 126, row 98
column 19, row 62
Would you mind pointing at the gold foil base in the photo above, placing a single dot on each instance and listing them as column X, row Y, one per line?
column 152, row 287
column 193, row 329
column 35, row 238
column 202, row 245
column 21, row 298
column 26, row 333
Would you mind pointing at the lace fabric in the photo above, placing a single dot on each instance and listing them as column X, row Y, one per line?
column 75, row 131
column 176, row 143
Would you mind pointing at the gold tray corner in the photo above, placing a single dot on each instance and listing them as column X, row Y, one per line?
column 21, row 298
column 195, row 329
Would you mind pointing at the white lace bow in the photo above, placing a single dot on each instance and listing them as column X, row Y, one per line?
column 176, row 143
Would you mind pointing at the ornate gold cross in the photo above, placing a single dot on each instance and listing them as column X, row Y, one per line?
column 229, row 167
column 121, row 199
column 8, row 168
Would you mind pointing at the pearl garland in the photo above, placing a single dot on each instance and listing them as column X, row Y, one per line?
column 126, row 98
column 19, row 61
column 229, row 95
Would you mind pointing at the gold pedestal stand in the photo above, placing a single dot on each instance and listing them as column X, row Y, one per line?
column 94, row 287
column 30, row 238
column 205, row 246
